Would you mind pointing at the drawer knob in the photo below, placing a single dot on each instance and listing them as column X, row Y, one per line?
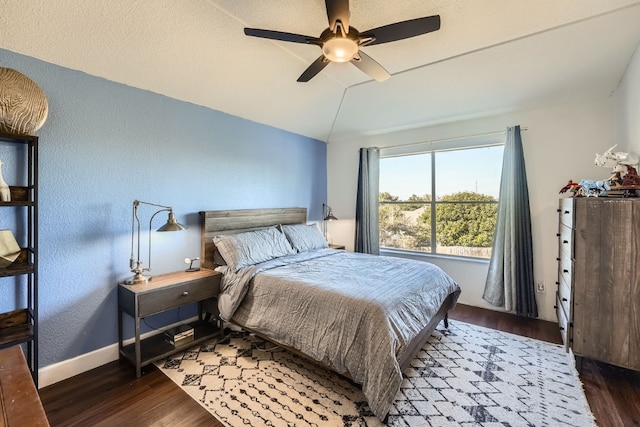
column 558, row 234
column 564, row 299
column 565, row 241
column 566, row 271
column 185, row 293
column 561, row 328
column 567, row 212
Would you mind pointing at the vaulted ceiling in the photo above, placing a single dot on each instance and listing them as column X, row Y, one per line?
column 489, row 57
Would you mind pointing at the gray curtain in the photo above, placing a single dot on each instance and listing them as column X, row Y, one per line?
column 367, row 234
column 510, row 283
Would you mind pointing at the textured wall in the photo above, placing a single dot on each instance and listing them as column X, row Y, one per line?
column 627, row 96
column 106, row 144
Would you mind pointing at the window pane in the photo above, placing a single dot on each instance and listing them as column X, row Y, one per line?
column 474, row 170
column 465, row 229
column 405, row 226
column 406, row 176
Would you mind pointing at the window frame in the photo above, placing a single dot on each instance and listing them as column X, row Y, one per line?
column 431, row 148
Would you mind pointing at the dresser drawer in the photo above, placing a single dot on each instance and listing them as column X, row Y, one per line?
column 565, row 241
column 173, row 296
column 565, row 212
column 564, row 295
column 565, row 270
column 563, row 323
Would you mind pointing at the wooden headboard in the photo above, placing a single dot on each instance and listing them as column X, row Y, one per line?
column 214, row 223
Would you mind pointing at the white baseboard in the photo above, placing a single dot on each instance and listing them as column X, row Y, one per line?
column 71, row 367
column 60, row 371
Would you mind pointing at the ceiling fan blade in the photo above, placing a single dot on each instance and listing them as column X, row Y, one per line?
column 402, row 30
column 369, row 66
column 282, row 36
column 317, row 66
column 338, row 11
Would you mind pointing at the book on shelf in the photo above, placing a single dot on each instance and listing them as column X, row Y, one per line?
column 180, row 341
column 179, row 335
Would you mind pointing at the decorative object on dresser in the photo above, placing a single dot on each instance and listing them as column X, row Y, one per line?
column 625, row 181
column 611, row 159
column 171, row 225
column 23, row 105
column 166, row 292
column 20, row 326
column 598, row 279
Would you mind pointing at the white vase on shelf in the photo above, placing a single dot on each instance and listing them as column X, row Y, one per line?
column 5, row 193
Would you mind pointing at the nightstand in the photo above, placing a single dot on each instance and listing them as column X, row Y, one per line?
column 162, row 293
column 336, row 246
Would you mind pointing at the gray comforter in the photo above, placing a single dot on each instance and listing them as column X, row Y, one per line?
column 354, row 312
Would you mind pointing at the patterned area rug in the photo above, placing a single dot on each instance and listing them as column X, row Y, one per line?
column 464, row 376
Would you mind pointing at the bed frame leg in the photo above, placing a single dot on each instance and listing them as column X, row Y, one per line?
column 446, row 320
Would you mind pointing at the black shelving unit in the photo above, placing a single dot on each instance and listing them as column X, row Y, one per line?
column 20, row 326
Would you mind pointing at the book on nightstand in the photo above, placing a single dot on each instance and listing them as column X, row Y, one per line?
column 181, row 334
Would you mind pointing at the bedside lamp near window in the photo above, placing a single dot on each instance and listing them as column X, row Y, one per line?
column 171, row 225
column 327, row 215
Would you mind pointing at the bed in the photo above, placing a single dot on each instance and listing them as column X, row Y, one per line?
column 361, row 315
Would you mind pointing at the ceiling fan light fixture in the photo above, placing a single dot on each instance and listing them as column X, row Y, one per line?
column 340, row 49
column 341, row 43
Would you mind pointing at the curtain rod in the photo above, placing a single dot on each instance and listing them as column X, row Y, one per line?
column 449, row 139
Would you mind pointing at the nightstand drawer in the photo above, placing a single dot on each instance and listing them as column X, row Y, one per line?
column 173, row 296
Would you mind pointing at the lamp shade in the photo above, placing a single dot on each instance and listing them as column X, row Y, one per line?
column 172, row 224
column 329, row 216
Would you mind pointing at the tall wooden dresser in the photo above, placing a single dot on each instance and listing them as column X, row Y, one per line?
column 598, row 297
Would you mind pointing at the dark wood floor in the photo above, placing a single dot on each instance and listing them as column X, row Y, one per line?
column 112, row 396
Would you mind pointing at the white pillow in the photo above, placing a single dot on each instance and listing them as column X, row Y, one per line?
column 253, row 247
column 304, row 237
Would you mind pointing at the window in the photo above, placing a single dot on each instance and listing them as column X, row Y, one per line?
column 441, row 201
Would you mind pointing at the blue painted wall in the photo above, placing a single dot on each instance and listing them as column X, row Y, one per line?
column 106, row 144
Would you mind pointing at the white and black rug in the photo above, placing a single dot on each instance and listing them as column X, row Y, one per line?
column 464, row 376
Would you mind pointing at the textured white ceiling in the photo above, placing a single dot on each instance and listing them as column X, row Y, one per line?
column 489, row 56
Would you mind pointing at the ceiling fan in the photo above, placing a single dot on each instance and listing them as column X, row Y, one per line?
column 341, row 42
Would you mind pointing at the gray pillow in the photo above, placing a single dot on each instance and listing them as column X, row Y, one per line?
column 253, row 247
column 304, row 237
